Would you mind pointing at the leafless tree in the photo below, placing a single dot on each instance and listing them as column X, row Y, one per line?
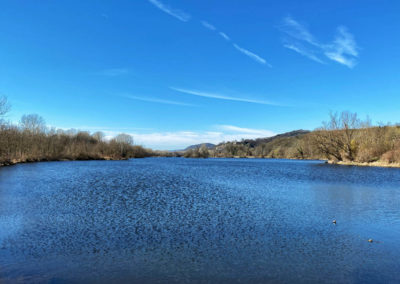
column 99, row 136
column 33, row 123
column 4, row 107
column 124, row 139
column 337, row 137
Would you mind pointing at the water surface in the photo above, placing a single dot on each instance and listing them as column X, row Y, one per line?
column 166, row 220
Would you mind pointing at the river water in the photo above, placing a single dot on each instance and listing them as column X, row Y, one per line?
column 176, row 220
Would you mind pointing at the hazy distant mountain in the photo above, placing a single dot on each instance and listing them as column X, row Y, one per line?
column 208, row 145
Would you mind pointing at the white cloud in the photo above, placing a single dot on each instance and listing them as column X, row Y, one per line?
column 176, row 140
column 252, row 55
column 208, row 25
column 108, row 129
column 221, row 97
column 343, row 49
column 246, row 52
column 247, row 131
column 180, row 15
column 301, row 50
column 298, row 31
column 156, row 100
column 224, row 36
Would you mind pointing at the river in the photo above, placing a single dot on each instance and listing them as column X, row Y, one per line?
column 176, row 220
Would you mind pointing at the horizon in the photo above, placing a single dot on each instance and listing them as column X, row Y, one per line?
column 173, row 73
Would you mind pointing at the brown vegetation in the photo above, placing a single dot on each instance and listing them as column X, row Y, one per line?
column 344, row 139
column 31, row 140
column 198, row 152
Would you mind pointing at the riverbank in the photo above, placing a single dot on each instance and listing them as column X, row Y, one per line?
column 28, row 161
column 340, row 163
column 380, row 164
column 372, row 164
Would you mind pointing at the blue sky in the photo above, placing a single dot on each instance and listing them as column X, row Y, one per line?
column 174, row 72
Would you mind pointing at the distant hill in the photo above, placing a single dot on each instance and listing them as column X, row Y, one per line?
column 255, row 142
column 346, row 140
column 208, row 145
column 252, row 143
column 286, row 145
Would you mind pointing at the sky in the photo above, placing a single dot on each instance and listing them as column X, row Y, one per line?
column 173, row 73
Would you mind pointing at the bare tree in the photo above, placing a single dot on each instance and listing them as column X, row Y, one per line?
column 99, row 136
column 124, row 139
column 33, row 123
column 4, row 107
column 124, row 143
column 337, row 138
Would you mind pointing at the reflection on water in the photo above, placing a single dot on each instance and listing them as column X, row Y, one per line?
column 184, row 220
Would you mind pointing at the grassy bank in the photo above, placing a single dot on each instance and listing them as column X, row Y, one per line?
column 19, row 161
column 372, row 164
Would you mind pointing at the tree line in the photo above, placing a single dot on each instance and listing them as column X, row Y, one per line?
column 343, row 138
column 32, row 140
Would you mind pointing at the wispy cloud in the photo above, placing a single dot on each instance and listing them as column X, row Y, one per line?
column 301, row 50
column 252, row 55
column 343, row 49
column 208, row 25
column 221, row 97
column 156, row 100
column 103, row 128
column 298, row 31
column 248, row 131
column 174, row 140
column 211, row 27
column 113, row 72
column 180, row 15
column 224, row 36
column 246, row 52
column 180, row 139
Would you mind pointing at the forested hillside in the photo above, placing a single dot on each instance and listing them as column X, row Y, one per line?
column 344, row 138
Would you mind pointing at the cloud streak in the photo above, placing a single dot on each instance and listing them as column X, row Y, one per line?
column 224, row 36
column 181, row 139
column 244, row 51
column 252, row 55
column 220, row 97
column 343, row 49
column 208, row 26
column 211, row 27
column 248, row 131
column 299, row 49
column 155, row 100
column 298, row 31
column 178, row 14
